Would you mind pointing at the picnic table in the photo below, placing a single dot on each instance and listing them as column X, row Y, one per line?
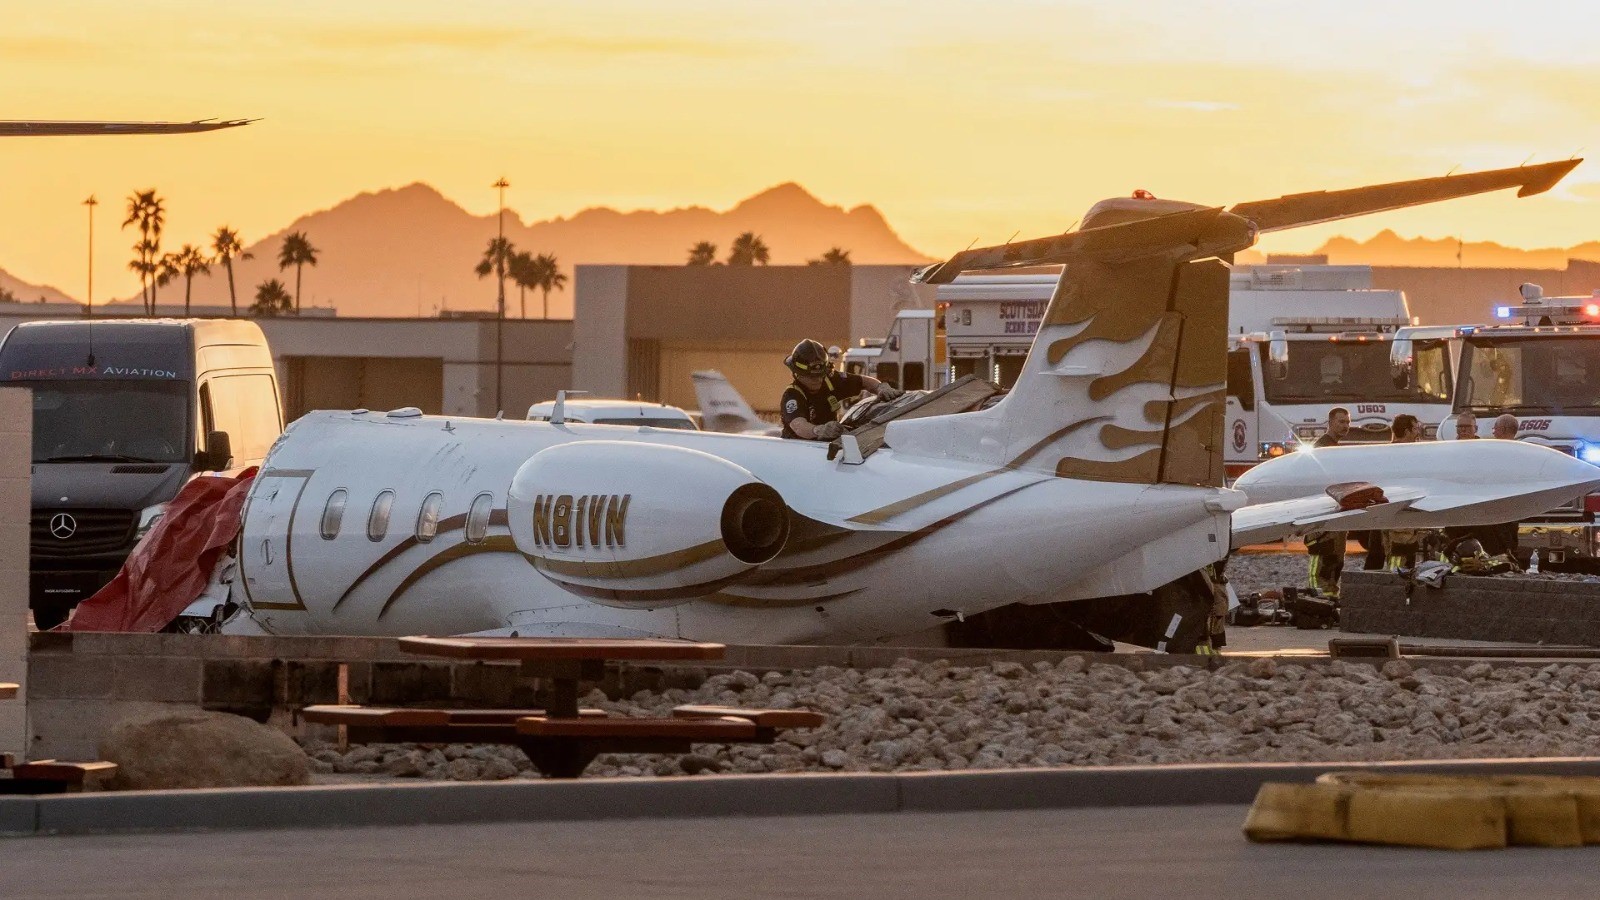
column 560, row 738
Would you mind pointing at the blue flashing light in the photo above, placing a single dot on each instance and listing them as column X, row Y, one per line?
column 1589, row 453
column 1502, row 312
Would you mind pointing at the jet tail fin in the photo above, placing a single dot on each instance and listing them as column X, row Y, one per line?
column 722, row 407
column 1125, row 380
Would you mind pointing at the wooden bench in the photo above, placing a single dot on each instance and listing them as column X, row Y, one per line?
column 386, row 725
column 563, row 748
column 764, row 718
column 50, row 776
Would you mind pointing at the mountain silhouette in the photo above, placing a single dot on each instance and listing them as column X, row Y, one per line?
column 27, row 292
column 411, row 251
column 1389, row 249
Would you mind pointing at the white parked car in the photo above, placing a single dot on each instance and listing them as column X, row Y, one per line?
column 615, row 412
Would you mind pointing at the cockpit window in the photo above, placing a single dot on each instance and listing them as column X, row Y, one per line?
column 333, row 514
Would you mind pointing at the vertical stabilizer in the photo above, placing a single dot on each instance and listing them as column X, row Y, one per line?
column 1125, row 380
column 722, row 407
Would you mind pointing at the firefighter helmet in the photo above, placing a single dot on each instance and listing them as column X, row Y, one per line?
column 808, row 358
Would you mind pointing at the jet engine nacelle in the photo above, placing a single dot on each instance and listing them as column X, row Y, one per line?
column 643, row 524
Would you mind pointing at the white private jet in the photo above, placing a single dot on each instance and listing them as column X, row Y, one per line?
column 1099, row 474
column 723, row 408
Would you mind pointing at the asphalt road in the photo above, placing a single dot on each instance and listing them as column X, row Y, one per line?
column 1171, row 852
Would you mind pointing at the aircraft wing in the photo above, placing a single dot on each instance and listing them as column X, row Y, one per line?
column 1427, row 485
column 13, row 128
column 1281, row 519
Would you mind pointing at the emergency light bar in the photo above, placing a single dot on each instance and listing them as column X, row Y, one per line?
column 1554, row 307
column 1396, row 321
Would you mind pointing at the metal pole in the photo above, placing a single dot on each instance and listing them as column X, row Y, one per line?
column 88, row 306
column 500, row 305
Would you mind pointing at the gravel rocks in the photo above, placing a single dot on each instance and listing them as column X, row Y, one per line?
column 930, row 716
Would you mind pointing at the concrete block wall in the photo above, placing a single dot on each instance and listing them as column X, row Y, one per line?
column 16, row 461
column 1523, row 610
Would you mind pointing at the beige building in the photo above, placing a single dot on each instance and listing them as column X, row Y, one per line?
column 437, row 365
column 1446, row 296
column 640, row 330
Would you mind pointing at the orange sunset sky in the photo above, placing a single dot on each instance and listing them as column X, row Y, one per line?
column 959, row 121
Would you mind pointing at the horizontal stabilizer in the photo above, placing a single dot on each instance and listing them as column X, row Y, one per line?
column 1200, row 231
column 1296, row 210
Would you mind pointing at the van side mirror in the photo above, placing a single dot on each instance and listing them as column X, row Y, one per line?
column 1401, row 363
column 1278, row 355
column 218, row 453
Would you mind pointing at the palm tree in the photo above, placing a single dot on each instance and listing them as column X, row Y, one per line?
column 190, row 262
column 548, row 278
column 296, row 251
column 146, row 271
column 272, row 299
column 523, row 273
column 167, row 269
column 748, row 250
column 149, row 213
column 834, row 257
column 227, row 247
column 702, row 254
column 496, row 257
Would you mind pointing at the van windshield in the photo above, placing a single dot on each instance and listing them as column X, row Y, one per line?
column 88, row 420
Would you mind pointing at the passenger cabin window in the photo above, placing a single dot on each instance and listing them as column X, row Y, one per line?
column 1241, row 381
column 428, row 518
column 378, row 520
column 478, row 518
column 246, row 407
column 333, row 514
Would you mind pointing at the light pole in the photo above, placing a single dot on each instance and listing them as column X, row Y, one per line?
column 500, row 304
column 88, row 305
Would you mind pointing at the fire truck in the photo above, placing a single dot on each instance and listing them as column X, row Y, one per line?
column 1540, row 362
column 1303, row 339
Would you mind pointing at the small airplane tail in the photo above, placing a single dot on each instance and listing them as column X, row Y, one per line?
column 1125, row 381
column 722, row 408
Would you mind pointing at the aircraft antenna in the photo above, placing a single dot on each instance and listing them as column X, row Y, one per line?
column 1530, row 157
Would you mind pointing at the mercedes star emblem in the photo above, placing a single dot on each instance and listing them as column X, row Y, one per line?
column 63, row 526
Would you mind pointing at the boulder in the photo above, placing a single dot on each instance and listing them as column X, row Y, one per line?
column 200, row 749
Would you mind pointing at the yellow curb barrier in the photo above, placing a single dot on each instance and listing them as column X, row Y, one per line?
column 1441, row 811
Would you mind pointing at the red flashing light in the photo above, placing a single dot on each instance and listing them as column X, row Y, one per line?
column 1592, row 309
column 1142, row 194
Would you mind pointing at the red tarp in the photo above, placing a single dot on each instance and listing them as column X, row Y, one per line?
column 171, row 566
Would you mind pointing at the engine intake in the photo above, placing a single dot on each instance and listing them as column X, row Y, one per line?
column 755, row 523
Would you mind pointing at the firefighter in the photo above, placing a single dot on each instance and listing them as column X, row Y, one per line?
column 1327, row 549
column 811, row 405
column 1400, row 548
